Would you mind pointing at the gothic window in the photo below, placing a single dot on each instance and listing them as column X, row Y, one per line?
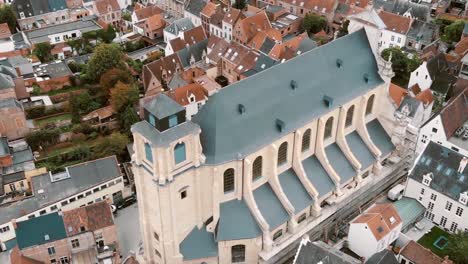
column 306, row 140
column 349, row 116
column 257, row 168
column 370, row 105
column 179, row 153
column 328, row 128
column 283, row 153
column 228, row 179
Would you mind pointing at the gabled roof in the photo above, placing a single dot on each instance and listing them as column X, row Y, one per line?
column 380, row 218
column 194, row 35
column 209, row 9
column 400, row 7
column 168, row 63
column 438, row 69
column 146, row 12
column 181, row 95
column 395, row 23
column 273, row 98
column 182, row 24
column 232, row 15
column 194, row 52
column 383, row 257
column 369, row 17
column 17, row 258
column 442, row 164
column 155, row 22
column 397, row 93
column 194, row 7
column 323, row 6
column 320, row 252
column 218, row 46
column 250, row 26
column 103, row 5
column 419, row 254
column 40, row 230
column 455, row 113
column 89, row 218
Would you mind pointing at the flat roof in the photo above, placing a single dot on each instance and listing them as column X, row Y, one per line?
column 42, row 34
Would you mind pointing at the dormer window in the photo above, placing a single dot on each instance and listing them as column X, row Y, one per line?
column 463, row 198
column 427, row 179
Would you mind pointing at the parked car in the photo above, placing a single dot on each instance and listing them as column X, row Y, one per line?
column 459, row 131
column 127, row 202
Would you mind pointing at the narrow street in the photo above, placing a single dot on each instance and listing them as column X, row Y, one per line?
column 128, row 229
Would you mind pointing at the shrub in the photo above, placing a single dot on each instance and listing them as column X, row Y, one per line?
column 35, row 112
column 42, row 138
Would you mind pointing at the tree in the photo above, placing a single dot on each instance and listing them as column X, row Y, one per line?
column 115, row 144
column 81, row 104
column 110, row 78
column 402, row 65
column 77, row 45
column 106, row 35
column 127, row 118
column 313, row 23
column 453, row 32
column 343, row 31
column 458, row 248
column 123, row 95
column 104, row 58
column 239, row 4
column 42, row 51
column 7, row 15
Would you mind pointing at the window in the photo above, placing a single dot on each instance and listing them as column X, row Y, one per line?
column 57, row 39
column 443, row 221
column 179, row 153
column 349, row 116
column 152, row 120
column 433, row 197
column 278, row 234
column 156, row 236
column 257, row 168
column 228, row 180
column 53, row 261
column 430, row 206
column 43, row 212
column 459, row 211
column 328, row 128
column 238, row 253
column 96, row 190
column 370, row 105
column 75, row 243
column 64, row 260
column 393, row 38
column 53, row 208
column 301, row 218
column 183, row 194
column 51, row 251
column 453, row 227
column 422, row 191
column 283, row 153
column 173, row 120
column 306, row 140
column 434, row 130
column 157, row 253
column 4, row 229
column 448, row 206
column 148, row 152
column 399, row 40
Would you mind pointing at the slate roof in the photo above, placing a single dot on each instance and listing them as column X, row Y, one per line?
column 182, row 24
column 339, row 162
column 443, row 163
column 56, row 5
column 383, row 257
column 409, row 210
column 4, row 148
column 198, row 244
column 194, row 7
column 318, row 176
column 320, row 252
column 380, row 138
column 294, row 190
column 262, row 63
column 455, row 113
column 163, row 106
column 227, row 135
column 400, row 7
column 438, row 69
column 422, row 31
column 270, row 206
column 42, row 34
column 360, row 150
column 196, row 50
column 236, row 222
column 12, row 177
column 33, row 232
column 25, row 7
column 412, row 103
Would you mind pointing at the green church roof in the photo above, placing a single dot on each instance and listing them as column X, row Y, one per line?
column 40, row 230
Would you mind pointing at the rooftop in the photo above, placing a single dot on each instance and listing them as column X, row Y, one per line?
column 320, row 252
column 380, row 218
column 53, row 70
column 40, row 230
column 89, row 218
column 42, row 34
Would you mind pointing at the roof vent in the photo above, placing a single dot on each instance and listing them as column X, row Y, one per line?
column 328, row 101
column 280, row 125
column 46, row 237
column 339, row 63
column 293, row 84
column 241, row 109
column 366, row 77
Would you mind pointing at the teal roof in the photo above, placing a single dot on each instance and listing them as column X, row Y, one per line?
column 56, row 5
column 294, row 190
column 199, row 244
column 229, row 135
column 162, row 106
column 236, row 222
column 380, row 138
column 318, row 176
column 35, row 231
column 360, row 150
column 409, row 210
column 339, row 162
column 270, row 206
column 163, row 139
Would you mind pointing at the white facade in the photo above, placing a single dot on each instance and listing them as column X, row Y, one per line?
column 389, row 39
column 7, row 45
column 421, row 77
column 441, row 209
column 196, row 20
column 64, row 36
column 227, row 31
column 215, row 30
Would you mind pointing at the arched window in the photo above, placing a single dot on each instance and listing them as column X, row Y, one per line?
column 277, row 234
column 237, row 253
column 179, row 153
column 328, row 128
column 148, row 152
column 349, row 116
column 257, row 168
column 370, row 105
column 283, row 153
column 306, row 140
column 228, row 179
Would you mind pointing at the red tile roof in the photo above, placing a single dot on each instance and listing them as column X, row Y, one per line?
column 381, row 219
column 421, row 255
column 395, row 23
column 322, row 6
column 250, row 26
column 17, row 258
column 232, row 16
column 426, row 97
column 155, row 22
column 102, row 6
column 397, row 93
column 181, row 94
column 146, row 12
column 194, row 35
column 209, row 9
column 4, row 31
column 89, row 218
column 455, row 113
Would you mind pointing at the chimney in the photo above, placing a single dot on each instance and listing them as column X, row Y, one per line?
column 462, row 166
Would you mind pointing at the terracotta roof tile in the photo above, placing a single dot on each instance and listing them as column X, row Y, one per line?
column 381, row 219
column 181, row 94
column 89, row 218
column 253, row 24
column 232, row 16
column 323, row 6
column 177, row 44
column 155, row 22
column 462, row 47
column 4, row 31
column 194, row 35
column 395, row 23
column 397, row 93
column 168, row 63
column 455, row 113
column 419, row 254
column 17, row 258
column 426, row 97
column 218, row 48
column 209, row 9
column 102, row 5
column 148, row 11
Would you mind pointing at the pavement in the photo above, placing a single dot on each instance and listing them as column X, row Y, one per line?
column 128, row 229
column 5, row 257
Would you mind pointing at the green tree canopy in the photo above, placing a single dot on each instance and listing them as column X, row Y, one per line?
column 110, row 78
column 81, row 104
column 7, row 15
column 123, row 95
column 115, row 144
column 458, row 248
column 105, row 57
column 106, row 35
column 42, row 51
column 401, row 65
column 313, row 23
column 127, row 118
column 239, row 4
column 453, row 32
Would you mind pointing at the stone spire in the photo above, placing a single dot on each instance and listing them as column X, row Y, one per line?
column 385, row 68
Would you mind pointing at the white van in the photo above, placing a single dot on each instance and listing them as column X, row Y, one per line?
column 396, row 192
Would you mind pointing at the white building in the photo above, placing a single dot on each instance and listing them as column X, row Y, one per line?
column 374, row 230
column 421, row 77
column 177, row 28
column 439, row 180
column 6, row 41
column 78, row 186
column 386, row 29
column 441, row 127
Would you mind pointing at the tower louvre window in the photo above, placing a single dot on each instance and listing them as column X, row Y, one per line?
column 179, row 153
column 148, row 152
column 257, row 168
column 283, row 153
column 349, row 116
column 228, row 180
column 328, row 128
column 306, row 140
